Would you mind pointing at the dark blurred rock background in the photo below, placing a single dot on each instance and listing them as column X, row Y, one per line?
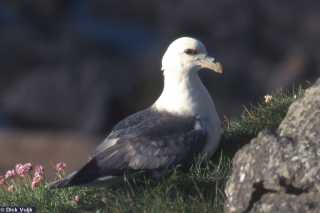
column 82, row 65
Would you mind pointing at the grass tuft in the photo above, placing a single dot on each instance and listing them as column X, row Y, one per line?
column 263, row 115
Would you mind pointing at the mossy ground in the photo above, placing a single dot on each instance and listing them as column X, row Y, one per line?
column 199, row 190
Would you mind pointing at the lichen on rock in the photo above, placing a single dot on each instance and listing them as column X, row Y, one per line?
column 280, row 172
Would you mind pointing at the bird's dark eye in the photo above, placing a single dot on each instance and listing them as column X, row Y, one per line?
column 191, row 51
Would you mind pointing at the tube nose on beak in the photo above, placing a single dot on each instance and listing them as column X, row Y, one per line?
column 210, row 63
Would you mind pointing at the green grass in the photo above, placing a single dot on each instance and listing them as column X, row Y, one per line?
column 256, row 118
column 263, row 115
column 199, row 190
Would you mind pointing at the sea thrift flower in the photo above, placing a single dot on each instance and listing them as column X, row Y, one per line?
column 28, row 166
column 23, row 170
column 10, row 173
column 60, row 167
column 10, row 188
column 36, row 181
column 39, row 170
column 267, row 99
column 2, row 180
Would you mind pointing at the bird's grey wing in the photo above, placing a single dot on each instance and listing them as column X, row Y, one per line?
column 128, row 125
column 157, row 149
column 133, row 120
column 160, row 144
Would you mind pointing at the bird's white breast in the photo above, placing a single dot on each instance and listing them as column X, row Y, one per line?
column 190, row 97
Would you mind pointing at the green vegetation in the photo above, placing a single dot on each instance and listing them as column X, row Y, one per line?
column 263, row 115
column 199, row 190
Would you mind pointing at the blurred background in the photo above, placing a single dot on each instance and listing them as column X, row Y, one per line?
column 70, row 69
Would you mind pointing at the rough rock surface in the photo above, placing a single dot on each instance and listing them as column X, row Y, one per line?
column 280, row 172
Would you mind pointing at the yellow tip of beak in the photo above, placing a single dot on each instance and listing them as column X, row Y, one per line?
column 218, row 67
column 209, row 63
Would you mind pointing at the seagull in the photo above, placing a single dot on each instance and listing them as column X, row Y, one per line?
column 180, row 125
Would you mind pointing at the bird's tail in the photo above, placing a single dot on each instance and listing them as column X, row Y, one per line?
column 103, row 181
column 61, row 183
column 88, row 175
column 85, row 175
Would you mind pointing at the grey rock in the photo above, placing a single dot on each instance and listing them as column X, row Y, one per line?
column 303, row 117
column 288, row 203
column 280, row 172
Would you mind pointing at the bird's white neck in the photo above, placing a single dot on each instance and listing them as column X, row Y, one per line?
column 183, row 93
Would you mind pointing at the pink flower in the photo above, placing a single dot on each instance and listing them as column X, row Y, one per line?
column 10, row 188
column 28, row 166
column 19, row 169
column 23, row 170
column 60, row 167
column 2, row 180
column 38, row 177
column 39, row 170
column 36, row 181
column 10, row 173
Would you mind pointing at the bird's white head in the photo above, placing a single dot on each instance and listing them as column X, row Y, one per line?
column 183, row 91
column 186, row 55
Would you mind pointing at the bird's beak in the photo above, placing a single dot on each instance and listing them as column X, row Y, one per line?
column 210, row 63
